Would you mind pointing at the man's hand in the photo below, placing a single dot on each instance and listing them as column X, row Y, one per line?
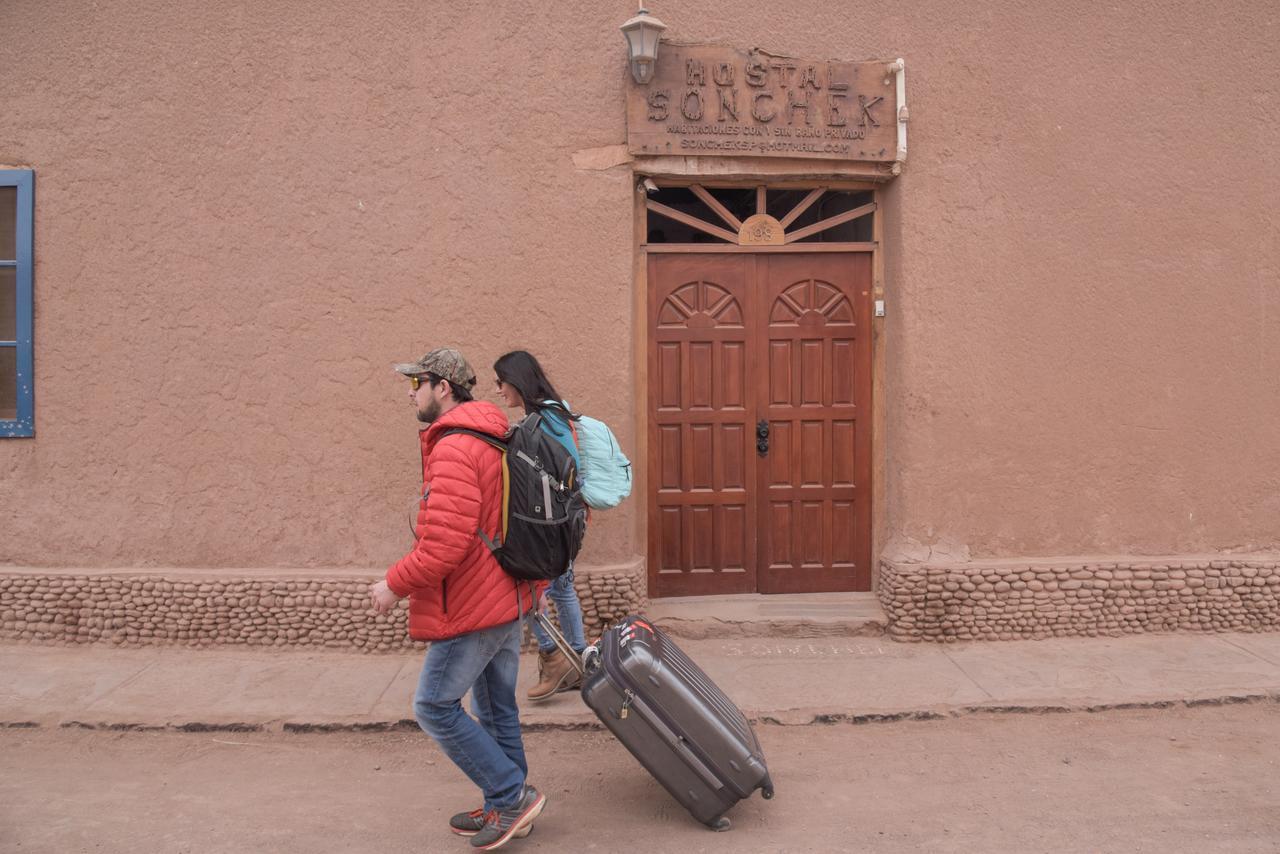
column 383, row 598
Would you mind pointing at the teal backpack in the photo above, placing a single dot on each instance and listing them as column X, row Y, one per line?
column 605, row 472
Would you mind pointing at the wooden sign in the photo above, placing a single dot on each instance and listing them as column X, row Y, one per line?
column 709, row 100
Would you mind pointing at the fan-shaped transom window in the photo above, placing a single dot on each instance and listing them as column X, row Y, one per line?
column 759, row 216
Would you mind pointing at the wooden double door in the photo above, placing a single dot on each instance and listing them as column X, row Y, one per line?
column 759, row 423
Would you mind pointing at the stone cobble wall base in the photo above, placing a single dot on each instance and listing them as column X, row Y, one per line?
column 310, row 612
column 1011, row 601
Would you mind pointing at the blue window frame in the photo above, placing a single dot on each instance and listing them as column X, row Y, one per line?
column 17, row 378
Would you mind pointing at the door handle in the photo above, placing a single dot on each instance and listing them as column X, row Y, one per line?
column 762, row 437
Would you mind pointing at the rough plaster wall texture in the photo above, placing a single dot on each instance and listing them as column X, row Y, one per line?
column 246, row 213
column 1084, row 287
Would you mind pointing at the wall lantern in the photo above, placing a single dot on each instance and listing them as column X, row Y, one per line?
column 642, row 33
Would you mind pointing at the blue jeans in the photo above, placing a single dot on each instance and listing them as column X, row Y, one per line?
column 490, row 752
column 569, row 610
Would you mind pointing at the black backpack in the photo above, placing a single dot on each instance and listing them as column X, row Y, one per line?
column 544, row 515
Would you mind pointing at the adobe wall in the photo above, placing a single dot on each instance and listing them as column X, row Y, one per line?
column 1084, row 283
column 246, row 212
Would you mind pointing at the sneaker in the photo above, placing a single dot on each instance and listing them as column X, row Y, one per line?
column 467, row 823
column 555, row 674
column 470, row 823
column 501, row 826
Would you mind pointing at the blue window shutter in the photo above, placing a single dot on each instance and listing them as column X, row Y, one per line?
column 24, row 181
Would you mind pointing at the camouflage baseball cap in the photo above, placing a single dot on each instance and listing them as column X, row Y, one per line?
column 446, row 363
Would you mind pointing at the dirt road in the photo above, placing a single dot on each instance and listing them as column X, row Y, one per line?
column 1198, row 780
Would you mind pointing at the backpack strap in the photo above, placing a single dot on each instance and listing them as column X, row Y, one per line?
column 573, row 430
column 483, row 437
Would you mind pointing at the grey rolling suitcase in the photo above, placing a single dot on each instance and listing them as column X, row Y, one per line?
column 672, row 717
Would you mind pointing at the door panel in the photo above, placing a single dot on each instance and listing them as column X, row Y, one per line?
column 817, row 401
column 737, row 339
column 701, row 428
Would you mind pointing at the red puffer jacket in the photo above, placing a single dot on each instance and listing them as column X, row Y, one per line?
column 454, row 582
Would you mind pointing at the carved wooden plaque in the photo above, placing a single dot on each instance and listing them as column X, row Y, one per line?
column 715, row 100
column 761, row 230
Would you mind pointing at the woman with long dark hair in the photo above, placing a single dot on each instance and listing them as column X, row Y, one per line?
column 521, row 382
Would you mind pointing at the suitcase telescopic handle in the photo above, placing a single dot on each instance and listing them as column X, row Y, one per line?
column 575, row 660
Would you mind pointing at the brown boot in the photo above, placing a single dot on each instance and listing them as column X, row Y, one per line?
column 555, row 673
column 573, row 683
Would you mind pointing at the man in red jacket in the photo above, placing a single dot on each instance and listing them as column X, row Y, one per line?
column 462, row 601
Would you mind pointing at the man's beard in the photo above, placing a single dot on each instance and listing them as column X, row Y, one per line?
column 431, row 413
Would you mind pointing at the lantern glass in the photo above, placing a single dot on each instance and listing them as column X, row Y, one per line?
column 649, row 37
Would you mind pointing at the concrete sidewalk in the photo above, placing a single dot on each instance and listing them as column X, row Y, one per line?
column 778, row 680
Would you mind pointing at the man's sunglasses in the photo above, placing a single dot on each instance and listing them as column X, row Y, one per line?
column 416, row 383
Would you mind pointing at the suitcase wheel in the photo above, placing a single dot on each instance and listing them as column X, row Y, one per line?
column 721, row 825
column 766, row 788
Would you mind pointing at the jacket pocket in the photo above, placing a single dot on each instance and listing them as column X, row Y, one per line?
column 444, row 597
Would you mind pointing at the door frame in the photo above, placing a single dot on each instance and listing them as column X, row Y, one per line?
column 641, row 342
